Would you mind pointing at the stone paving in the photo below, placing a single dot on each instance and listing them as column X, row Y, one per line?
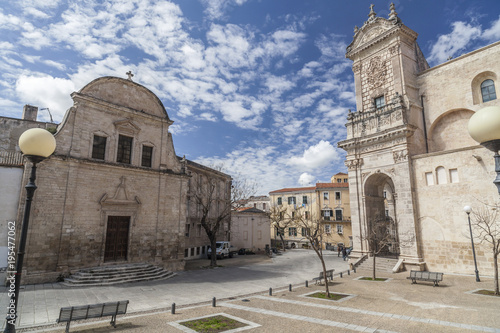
column 393, row 306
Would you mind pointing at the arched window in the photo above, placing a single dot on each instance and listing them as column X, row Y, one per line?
column 488, row 90
column 441, row 175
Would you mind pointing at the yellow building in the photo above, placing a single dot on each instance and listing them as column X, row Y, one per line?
column 327, row 203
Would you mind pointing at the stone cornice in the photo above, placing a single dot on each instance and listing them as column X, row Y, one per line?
column 89, row 99
column 403, row 131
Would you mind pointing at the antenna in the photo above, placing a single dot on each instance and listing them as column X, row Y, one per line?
column 50, row 114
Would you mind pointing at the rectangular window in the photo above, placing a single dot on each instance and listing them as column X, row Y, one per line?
column 198, row 230
column 187, row 230
column 304, row 199
column 337, row 195
column 346, row 180
column 124, row 154
column 379, row 102
column 429, row 178
column 291, row 201
column 307, row 215
column 306, row 231
column 279, row 202
column 325, row 196
column 339, row 180
column 328, row 228
column 340, row 229
column 338, row 215
column 326, row 215
column 292, row 231
column 263, row 206
column 147, row 156
column 454, row 175
column 99, row 147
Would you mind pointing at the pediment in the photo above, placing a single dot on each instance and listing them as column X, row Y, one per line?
column 121, row 197
column 127, row 126
column 371, row 32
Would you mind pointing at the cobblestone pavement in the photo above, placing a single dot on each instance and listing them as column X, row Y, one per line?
column 392, row 306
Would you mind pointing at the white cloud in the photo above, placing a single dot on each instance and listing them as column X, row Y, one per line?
column 493, row 34
column 216, row 9
column 454, row 42
column 306, row 179
column 316, row 156
column 46, row 92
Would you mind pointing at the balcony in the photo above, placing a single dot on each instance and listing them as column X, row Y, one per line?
column 11, row 158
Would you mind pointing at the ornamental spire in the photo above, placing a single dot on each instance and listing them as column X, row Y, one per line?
column 372, row 14
column 393, row 14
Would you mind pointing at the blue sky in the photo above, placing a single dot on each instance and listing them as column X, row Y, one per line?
column 261, row 86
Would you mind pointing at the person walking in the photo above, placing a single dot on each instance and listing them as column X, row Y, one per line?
column 344, row 253
column 339, row 249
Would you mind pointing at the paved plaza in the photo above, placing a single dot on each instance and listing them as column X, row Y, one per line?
column 241, row 288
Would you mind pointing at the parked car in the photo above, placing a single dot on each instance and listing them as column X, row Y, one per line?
column 223, row 250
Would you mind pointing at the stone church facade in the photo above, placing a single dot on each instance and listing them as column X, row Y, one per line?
column 114, row 190
column 409, row 155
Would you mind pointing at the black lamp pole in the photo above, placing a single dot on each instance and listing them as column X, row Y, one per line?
column 10, row 325
column 473, row 251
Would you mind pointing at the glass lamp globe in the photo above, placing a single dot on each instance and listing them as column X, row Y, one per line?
column 484, row 127
column 37, row 142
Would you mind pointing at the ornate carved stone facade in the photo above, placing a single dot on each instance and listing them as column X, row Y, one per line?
column 409, row 155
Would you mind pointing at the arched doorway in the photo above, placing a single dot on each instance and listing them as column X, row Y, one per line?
column 381, row 228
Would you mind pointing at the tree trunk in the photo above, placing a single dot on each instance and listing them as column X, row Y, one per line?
column 282, row 242
column 327, row 289
column 373, row 253
column 495, row 263
column 213, row 246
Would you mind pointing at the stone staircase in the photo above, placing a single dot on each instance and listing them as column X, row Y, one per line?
column 381, row 264
column 115, row 274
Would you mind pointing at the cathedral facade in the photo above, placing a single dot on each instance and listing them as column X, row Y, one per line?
column 410, row 159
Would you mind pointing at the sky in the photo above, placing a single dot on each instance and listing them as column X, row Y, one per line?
column 261, row 87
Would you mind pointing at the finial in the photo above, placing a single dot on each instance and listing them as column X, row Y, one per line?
column 393, row 14
column 372, row 13
column 130, row 75
column 356, row 28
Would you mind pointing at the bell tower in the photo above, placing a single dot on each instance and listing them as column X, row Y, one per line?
column 384, row 132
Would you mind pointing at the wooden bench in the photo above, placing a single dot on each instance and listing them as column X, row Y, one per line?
column 329, row 275
column 71, row 313
column 425, row 276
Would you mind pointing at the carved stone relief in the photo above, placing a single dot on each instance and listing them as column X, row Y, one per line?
column 400, row 156
column 353, row 164
column 377, row 72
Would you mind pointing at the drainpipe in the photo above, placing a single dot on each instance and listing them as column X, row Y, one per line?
column 423, row 120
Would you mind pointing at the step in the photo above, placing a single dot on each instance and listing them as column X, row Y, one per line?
column 115, row 274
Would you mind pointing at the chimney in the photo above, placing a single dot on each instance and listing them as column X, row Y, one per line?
column 30, row 112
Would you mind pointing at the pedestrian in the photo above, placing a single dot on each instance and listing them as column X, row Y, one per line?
column 339, row 249
column 344, row 253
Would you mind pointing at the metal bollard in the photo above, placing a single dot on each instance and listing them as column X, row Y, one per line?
column 348, row 272
column 289, row 287
column 307, row 284
column 213, row 302
column 270, row 291
column 340, row 274
column 354, row 269
column 172, row 311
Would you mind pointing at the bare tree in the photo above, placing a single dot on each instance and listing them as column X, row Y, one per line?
column 313, row 231
column 486, row 226
column 280, row 220
column 382, row 237
column 215, row 199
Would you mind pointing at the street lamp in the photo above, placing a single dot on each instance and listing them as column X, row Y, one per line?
column 484, row 127
column 36, row 144
column 468, row 209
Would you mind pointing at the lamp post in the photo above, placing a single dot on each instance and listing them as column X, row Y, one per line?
column 468, row 209
column 484, row 127
column 36, row 144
